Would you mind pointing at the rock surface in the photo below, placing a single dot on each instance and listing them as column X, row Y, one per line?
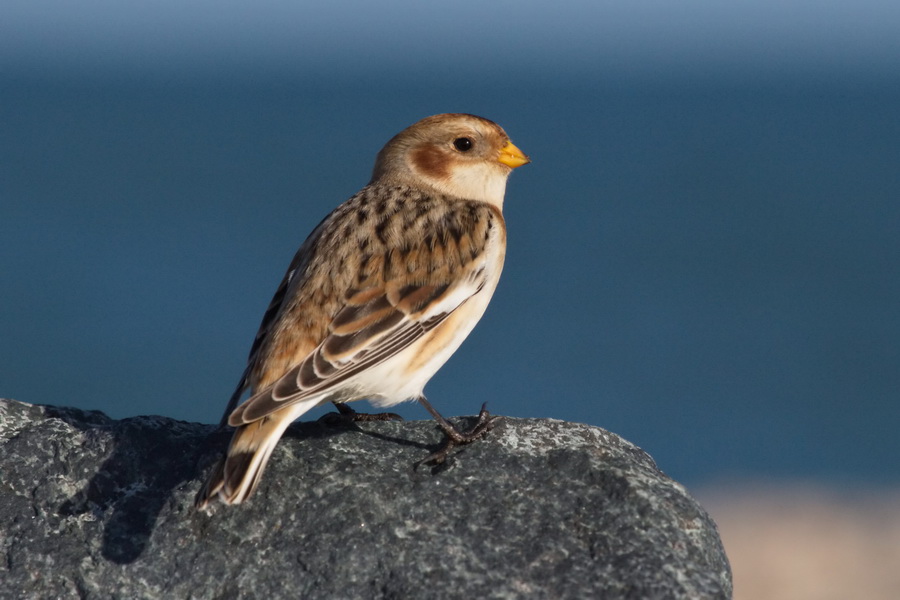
column 93, row 507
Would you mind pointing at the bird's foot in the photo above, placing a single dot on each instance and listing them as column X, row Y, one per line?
column 346, row 415
column 455, row 438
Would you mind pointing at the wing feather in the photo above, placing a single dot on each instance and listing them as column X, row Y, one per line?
column 327, row 324
column 325, row 368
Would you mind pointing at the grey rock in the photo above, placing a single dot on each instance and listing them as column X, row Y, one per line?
column 93, row 507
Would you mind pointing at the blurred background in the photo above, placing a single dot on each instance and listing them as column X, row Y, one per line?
column 703, row 256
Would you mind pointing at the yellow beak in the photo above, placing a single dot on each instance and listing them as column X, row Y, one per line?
column 512, row 157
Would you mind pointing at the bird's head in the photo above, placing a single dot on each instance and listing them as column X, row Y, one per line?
column 455, row 154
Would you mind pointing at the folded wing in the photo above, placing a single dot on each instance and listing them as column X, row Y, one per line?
column 374, row 325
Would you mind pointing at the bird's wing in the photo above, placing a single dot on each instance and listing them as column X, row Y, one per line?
column 403, row 292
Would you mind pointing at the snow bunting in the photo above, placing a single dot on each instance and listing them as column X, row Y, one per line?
column 380, row 294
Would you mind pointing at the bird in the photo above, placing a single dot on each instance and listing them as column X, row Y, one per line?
column 382, row 292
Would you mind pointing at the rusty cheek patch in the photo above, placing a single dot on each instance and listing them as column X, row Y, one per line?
column 432, row 162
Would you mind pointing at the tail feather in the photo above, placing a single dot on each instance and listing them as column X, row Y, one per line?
column 214, row 483
column 236, row 476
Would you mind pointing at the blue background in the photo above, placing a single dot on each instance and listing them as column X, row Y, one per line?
column 703, row 256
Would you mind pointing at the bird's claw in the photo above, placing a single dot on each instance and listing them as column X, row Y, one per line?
column 455, row 438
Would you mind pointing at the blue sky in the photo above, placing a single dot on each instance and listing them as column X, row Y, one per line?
column 362, row 36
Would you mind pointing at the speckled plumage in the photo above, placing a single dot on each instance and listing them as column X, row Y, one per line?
column 342, row 258
column 381, row 293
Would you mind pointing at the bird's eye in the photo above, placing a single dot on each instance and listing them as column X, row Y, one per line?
column 463, row 144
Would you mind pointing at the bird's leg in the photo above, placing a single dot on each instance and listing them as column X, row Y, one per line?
column 455, row 437
column 345, row 414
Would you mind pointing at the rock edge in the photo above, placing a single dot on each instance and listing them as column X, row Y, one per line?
column 100, row 508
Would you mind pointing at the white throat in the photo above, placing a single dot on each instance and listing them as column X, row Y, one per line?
column 476, row 182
